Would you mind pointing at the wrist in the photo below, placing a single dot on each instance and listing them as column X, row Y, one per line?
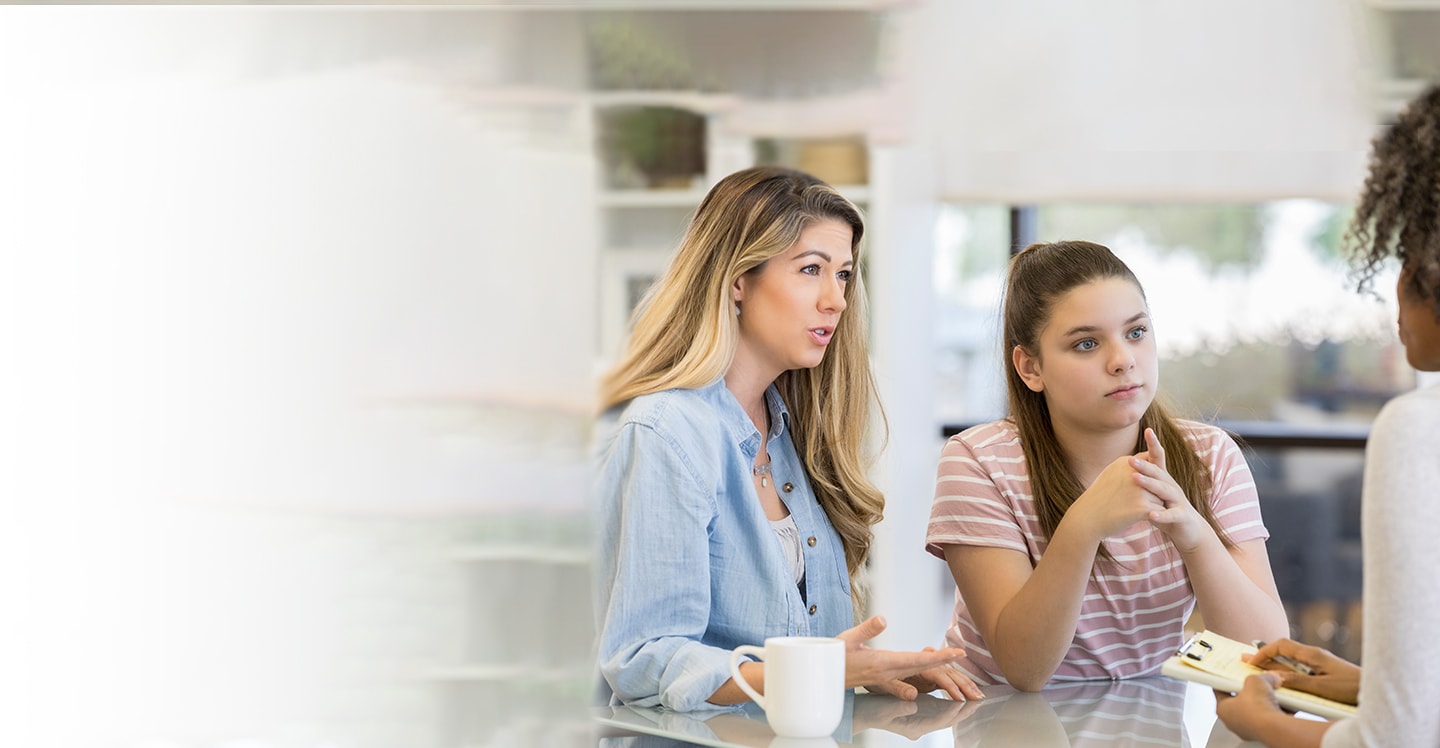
column 1206, row 542
column 1077, row 527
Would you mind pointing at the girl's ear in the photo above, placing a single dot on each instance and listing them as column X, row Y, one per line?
column 1028, row 367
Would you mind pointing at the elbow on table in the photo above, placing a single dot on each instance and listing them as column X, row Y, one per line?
column 1025, row 679
column 1029, row 683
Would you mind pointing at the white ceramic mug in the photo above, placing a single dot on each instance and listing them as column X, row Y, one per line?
column 804, row 683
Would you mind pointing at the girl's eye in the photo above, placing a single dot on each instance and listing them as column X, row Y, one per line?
column 1138, row 333
column 1087, row 344
column 811, row 270
column 845, row 276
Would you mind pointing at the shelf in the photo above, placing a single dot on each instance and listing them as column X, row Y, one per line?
column 539, row 554
column 1404, row 4
column 690, row 198
column 739, row 5
column 650, row 198
column 522, row 96
column 1393, row 94
column 694, row 101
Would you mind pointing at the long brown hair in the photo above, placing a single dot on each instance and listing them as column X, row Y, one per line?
column 1039, row 275
column 685, row 334
column 1399, row 210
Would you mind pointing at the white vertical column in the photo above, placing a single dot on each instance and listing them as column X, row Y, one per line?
column 907, row 584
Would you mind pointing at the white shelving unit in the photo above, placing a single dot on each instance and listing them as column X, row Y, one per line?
column 529, row 636
column 1405, row 33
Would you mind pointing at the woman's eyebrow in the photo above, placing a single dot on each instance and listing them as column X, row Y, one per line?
column 823, row 256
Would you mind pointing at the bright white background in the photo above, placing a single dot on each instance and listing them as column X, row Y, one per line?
column 263, row 268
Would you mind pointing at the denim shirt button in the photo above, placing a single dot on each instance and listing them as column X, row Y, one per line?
column 811, row 541
column 787, row 488
column 812, row 610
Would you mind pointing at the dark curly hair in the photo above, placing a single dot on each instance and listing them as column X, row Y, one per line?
column 1399, row 210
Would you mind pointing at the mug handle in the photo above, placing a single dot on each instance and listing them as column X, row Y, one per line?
column 740, row 681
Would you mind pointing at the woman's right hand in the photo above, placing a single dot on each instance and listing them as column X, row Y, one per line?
column 884, row 671
column 1334, row 678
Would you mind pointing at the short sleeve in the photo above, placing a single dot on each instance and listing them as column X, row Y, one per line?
column 969, row 507
column 1233, row 498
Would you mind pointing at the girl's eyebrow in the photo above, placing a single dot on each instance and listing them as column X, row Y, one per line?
column 1093, row 328
column 823, row 256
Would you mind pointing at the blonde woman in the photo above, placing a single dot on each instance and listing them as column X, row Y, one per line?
column 732, row 496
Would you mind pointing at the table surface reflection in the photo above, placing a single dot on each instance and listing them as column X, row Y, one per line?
column 1139, row 712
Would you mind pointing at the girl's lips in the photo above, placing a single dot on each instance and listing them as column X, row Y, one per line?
column 1125, row 393
column 821, row 335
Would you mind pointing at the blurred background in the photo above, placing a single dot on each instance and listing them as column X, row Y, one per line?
column 303, row 308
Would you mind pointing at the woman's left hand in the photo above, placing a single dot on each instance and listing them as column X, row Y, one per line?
column 1179, row 519
column 1245, row 712
column 951, row 680
column 883, row 671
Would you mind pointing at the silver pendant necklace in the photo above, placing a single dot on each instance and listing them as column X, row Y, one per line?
column 762, row 472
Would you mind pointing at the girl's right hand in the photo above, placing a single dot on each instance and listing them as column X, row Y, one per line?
column 884, row 671
column 1334, row 677
column 1115, row 500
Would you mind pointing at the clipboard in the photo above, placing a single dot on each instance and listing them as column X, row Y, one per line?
column 1213, row 660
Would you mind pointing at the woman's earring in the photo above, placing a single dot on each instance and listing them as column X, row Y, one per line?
column 737, row 309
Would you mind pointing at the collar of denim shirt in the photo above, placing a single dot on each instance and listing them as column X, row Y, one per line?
column 738, row 422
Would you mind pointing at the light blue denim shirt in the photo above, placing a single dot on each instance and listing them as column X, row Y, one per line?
column 688, row 566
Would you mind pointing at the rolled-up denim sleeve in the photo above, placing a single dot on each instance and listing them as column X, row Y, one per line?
column 655, row 512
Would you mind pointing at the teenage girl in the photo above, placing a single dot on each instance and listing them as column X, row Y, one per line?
column 1083, row 529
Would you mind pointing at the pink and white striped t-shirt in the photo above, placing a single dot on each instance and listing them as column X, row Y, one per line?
column 1133, row 615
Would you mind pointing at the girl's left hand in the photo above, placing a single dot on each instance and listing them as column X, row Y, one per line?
column 1179, row 519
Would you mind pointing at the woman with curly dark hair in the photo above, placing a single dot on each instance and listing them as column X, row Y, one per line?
column 1398, row 217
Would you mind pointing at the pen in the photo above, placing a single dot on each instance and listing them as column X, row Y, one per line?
column 1289, row 662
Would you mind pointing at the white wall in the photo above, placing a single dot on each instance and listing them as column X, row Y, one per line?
column 240, row 266
column 1118, row 99
column 257, row 273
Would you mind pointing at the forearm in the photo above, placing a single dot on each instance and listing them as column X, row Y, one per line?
column 1035, row 629
column 729, row 692
column 1230, row 602
column 1281, row 730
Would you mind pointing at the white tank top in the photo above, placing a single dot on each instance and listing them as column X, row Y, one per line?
column 789, row 536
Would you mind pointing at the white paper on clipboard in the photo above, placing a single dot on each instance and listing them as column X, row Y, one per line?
column 1215, row 661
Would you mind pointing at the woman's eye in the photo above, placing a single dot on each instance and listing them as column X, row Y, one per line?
column 1138, row 333
column 1086, row 345
column 811, row 270
column 845, row 275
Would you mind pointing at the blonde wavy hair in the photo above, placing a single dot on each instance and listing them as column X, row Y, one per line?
column 685, row 334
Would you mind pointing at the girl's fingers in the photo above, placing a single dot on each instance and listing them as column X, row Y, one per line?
column 1157, row 452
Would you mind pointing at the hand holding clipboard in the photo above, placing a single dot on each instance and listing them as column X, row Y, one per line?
column 1218, row 662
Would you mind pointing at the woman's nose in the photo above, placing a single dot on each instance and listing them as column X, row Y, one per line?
column 833, row 298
